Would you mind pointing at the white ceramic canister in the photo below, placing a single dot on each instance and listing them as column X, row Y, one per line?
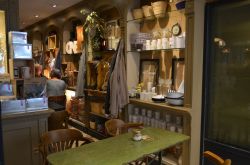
column 159, row 44
column 153, row 45
column 180, row 42
column 172, row 42
column 25, row 72
column 165, row 43
column 148, row 46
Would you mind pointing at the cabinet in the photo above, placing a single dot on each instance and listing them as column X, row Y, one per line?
column 21, row 136
column 97, row 71
column 175, row 63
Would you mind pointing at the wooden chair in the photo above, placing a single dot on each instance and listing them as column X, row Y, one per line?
column 57, row 103
column 58, row 120
column 216, row 159
column 60, row 140
column 115, row 127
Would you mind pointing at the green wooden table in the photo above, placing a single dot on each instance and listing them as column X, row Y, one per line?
column 118, row 150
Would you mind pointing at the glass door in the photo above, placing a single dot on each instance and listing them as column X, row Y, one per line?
column 226, row 94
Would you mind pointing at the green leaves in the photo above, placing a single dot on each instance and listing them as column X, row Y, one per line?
column 93, row 22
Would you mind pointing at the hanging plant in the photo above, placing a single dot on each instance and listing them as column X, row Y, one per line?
column 93, row 23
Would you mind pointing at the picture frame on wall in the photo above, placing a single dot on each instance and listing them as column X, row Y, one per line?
column 3, row 46
column 178, row 69
column 149, row 71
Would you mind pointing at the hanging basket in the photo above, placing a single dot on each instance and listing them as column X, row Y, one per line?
column 148, row 11
column 137, row 13
column 159, row 8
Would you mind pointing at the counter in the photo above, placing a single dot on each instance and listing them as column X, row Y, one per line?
column 21, row 136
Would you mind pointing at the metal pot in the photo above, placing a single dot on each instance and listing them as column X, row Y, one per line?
column 175, row 98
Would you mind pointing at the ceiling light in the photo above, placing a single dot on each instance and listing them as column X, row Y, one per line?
column 36, row 16
column 54, row 5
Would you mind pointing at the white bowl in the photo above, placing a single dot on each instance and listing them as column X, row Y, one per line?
column 175, row 98
column 175, row 95
column 175, row 101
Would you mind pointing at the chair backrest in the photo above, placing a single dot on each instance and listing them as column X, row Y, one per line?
column 60, row 140
column 58, row 120
column 113, row 126
column 57, row 102
column 217, row 160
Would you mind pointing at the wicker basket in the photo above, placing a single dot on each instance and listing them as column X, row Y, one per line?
column 159, row 8
column 137, row 13
column 148, row 12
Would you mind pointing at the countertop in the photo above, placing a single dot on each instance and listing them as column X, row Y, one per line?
column 26, row 114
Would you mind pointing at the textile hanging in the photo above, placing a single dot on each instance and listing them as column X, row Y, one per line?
column 118, row 94
column 58, row 60
column 82, row 71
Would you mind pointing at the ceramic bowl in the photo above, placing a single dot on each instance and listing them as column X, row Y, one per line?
column 180, row 4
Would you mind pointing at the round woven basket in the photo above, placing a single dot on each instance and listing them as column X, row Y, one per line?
column 137, row 13
column 148, row 11
column 159, row 8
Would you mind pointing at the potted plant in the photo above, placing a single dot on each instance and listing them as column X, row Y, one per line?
column 94, row 29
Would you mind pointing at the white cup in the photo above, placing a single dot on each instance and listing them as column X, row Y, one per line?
column 25, row 72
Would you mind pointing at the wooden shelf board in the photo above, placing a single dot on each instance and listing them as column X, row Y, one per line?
column 162, row 106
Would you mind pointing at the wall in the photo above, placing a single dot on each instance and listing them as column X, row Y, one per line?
column 11, row 8
column 197, row 81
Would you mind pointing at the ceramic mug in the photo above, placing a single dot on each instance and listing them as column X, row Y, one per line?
column 25, row 72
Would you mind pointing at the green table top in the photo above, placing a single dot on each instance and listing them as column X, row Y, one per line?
column 118, row 150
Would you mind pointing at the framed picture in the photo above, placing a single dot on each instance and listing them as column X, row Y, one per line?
column 3, row 50
column 178, row 69
column 149, row 72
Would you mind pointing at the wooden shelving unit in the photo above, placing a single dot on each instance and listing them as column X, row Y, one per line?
column 161, row 106
column 160, row 23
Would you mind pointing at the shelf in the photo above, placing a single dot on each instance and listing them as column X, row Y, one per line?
column 161, row 106
column 100, row 115
column 155, row 17
column 170, row 49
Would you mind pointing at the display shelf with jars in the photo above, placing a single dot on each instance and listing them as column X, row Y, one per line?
column 159, row 59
